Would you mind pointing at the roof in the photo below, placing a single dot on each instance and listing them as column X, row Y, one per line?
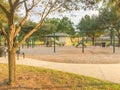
column 57, row 34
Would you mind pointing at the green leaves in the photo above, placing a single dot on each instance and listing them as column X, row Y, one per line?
column 66, row 26
column 91, row 26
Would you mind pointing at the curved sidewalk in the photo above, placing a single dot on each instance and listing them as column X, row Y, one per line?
column 110, row 72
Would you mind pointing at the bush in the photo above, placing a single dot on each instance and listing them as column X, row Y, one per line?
column 1, row 51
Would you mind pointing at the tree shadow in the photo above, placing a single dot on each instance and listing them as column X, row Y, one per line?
column 4, row 86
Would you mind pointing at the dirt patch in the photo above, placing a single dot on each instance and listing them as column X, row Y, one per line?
column 92, row 55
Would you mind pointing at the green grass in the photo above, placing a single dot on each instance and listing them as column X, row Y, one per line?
column 34, row 78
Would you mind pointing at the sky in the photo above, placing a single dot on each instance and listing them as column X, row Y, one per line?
column 74, row 16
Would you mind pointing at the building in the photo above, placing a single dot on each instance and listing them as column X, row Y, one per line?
column 61, row 39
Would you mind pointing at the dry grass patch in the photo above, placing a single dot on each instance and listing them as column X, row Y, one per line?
column 34, row 78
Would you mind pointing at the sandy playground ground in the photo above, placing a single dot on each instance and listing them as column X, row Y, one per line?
column 92, row 55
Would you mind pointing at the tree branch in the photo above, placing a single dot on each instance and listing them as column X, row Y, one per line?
column 45, row 9
column 43, row 14
column 10, row 3
column 32, row 31
column 21, row 24
column 29, row 34
column 16, row 3
column 4, row 10
column 32, row 6
column 25, row 18
column 37, row 26
column 56, row 8
column 2, row 29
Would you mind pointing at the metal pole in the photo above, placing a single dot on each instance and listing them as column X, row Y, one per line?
column 82, row 42
column 0, row 39
column 113, row 35
column 32, row 43
column 54, row 44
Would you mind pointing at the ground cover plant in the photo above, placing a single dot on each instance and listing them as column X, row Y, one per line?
column 36, row 78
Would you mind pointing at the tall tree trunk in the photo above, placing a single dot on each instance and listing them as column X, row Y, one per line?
column 119, row 40
column 111, row 39
column 0, row 39
column 93, row 41
column 12, row 66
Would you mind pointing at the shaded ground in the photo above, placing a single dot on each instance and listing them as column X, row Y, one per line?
column 92, row 55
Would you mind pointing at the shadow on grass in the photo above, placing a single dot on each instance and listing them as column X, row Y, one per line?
column 5, row 82
column 5, row 86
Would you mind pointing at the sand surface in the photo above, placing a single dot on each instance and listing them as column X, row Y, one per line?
column 91, row 55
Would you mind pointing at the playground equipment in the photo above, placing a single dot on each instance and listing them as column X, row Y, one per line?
column 51, row 42
column 80, row 43
column 58, row 42
column 103, row 44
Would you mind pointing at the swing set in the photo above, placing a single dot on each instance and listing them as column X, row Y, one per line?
column 82, row 42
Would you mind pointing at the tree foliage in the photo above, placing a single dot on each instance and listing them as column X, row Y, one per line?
column 50, row 26
column 90, row 26
column 66, row 26
column 107, row 17
column 28, row 8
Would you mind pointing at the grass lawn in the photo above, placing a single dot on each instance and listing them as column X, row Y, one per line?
column 34, row 78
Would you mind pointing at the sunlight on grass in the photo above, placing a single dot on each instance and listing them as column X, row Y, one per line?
column 39, row 79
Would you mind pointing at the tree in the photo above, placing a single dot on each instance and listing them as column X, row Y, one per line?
column 66, row 26
column 110, row 20
column 117, row 28
column 48, row 27
column 114, row 6
column 113, row 3
column 29, row 7
column 52, row 25
column 91, row 27
column 29, row 25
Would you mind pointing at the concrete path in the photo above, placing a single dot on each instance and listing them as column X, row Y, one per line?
column 110, row 72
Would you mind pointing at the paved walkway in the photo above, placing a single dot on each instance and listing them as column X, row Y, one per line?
column 110, row 72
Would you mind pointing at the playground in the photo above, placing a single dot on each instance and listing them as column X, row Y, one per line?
column 71, row 54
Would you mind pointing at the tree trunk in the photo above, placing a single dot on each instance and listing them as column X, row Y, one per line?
column 93, row 41
column 12, row 67
column 0, row 40
column 119, row 41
